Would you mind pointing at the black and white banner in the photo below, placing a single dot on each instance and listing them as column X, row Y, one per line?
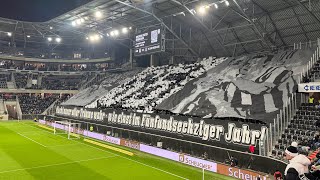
column 208, row 131
column 309, row 87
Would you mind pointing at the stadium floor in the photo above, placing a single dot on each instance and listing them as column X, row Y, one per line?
column 30, row 152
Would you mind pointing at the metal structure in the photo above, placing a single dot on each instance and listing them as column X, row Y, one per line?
column 244, row 26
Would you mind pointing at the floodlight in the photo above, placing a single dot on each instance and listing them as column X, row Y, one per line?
column 87, row 38
column 58, row 40
column 51, row 27
column 227, row 3
column 216, row 6
column 201, row 10
column 98, row 14
column 28, row 36
column 78, row 21
column 108, row 34
column 92, row 38
column 112, row 33
column 9, row 34
column 124, row 30
column 81, row 20
column 116, row 32
column 73, row 23
column 130, row 27
column 49, row 39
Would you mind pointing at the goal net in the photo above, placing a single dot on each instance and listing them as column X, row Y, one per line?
column 65, row 127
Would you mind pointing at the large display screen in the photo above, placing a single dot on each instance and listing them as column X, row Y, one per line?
column 148, row 42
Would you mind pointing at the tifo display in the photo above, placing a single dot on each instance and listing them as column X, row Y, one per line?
column 160, row 90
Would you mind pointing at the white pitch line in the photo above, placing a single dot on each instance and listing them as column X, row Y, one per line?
column 31, row 139
column 58, row 164
column 121, row 156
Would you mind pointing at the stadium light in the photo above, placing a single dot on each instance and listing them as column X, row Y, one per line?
column 28, row 36
column 87, row 38
column 58, row 39
column 98, row 14
column 108, row 34
column 51, row 27
column 227, row 3
column 125, row 30
column 73, row 23
column 49, row 39
column 78, row 21
column 116, row 32
column 94, row 37
column 81, row 20
column 202, row 10
column 9, row 34
column 130, row 27
column 216, row 6
column 112, row 33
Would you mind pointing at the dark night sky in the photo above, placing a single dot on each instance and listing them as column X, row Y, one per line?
column 37, row 10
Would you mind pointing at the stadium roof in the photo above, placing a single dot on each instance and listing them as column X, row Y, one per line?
column 244, row 26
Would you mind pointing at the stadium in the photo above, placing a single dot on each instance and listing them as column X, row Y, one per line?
column 160, row 89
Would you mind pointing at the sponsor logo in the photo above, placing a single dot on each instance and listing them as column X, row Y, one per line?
column 130, row 144
column 195, row 162
column 110, row 140
column 239, row 173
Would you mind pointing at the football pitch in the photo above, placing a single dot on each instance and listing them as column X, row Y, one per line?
column 31, row 152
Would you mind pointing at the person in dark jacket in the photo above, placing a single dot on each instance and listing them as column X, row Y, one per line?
column 298, row 164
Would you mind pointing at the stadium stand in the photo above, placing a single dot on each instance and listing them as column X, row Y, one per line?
column 99, row 87
column 35, row 104
column 150, row 87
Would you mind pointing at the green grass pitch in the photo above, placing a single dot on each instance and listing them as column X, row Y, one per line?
column 30, row 152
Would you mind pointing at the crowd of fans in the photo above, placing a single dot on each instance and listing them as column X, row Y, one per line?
column 7, row 64
column 300, row 166
column 35, row 104
column 149, row 88
column 52, row 82
column 62, row 82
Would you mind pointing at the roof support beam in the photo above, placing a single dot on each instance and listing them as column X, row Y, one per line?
column 271, row 20
column 158, row 19
column 304, row 31
column 309, row 12
column 261, row 34
column 201, row 23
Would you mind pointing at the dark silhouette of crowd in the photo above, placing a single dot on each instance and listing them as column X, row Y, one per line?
column 35, row 104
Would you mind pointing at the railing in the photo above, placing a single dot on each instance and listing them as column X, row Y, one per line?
column 281, row 122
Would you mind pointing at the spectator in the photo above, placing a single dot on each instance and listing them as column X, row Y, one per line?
column 251, row 148
column 311, row 100
column 298, row 164
column 233, row 161
column 277, row 175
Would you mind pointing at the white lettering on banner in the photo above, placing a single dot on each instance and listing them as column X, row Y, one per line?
column 309, row 87
column 207, row 132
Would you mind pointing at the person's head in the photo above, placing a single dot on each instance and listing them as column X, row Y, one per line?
column 291, row 152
